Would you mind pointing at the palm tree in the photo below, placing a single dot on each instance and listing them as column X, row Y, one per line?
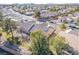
column 39, row 43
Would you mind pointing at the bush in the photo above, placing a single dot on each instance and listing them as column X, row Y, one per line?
column 14, row 41
column 62, row 26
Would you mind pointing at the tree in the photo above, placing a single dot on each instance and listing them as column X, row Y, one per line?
column 1, row 16
column 14, row 41
column 39, row 43
column 0, row 38
column 6, row 25
column 62, row 26
column 57, row 44
column 9, row 25
column 37, row 14
column 54, row 9
column 1, row 19
column 77, row 9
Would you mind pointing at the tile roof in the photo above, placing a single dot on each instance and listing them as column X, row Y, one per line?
column 25, row 26
column 40, row 27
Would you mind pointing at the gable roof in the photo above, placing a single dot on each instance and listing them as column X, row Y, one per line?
column 26, row 26
column 41, row 27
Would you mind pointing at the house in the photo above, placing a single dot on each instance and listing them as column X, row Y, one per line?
column 47, row 30
column 50, row 32
column 29, row 13
column 30, row 26
column 41, row 27
column 74, row 32
column 76, row 16
column 73, row 25
column 43, row 19
column 72, row 38
column 49, row 14
column 25, row 27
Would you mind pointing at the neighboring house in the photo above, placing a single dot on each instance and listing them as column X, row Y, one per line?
column 76, row 16
column 72, row 25
column 61, row 19
column 41, row 27
column 29, row 13
column 16, row 15
column 50, row 32
column 66, row 19
column 25, row 27
column 74, row 32
column 72, row 37
column 49, row 14
column 44, row 11
column 47, row 30
column 43, row 19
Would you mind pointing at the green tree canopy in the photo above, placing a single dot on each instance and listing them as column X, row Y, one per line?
column 1, row 16
column 54, row 9
column 1, row 19
column 8, row 24
column 37, row 14
column 39, row 43
column 62, row 26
